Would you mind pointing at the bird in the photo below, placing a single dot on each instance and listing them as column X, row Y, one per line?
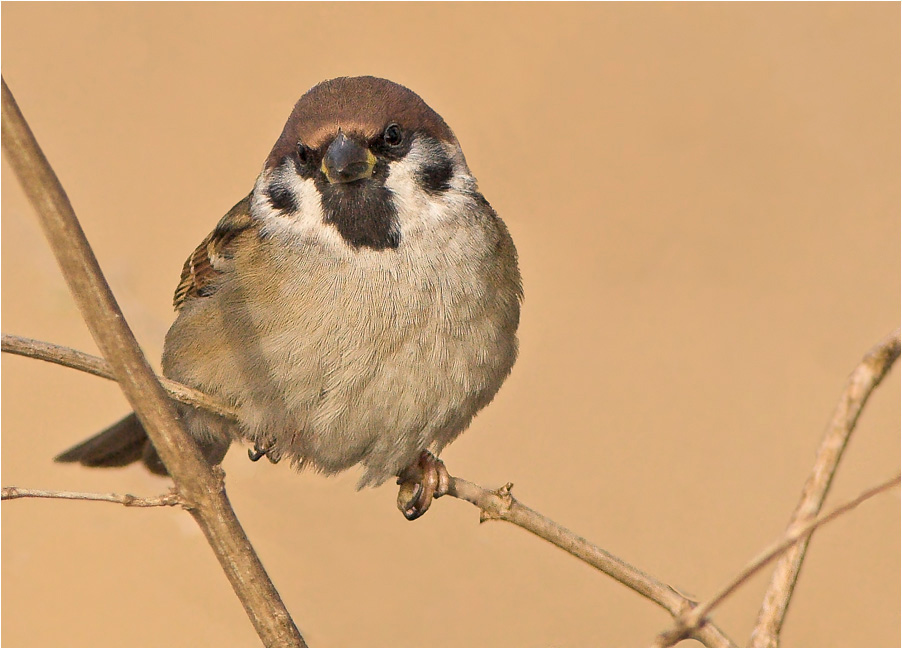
column 358, row 307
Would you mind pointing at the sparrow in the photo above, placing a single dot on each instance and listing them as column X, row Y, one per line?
column 359, row 306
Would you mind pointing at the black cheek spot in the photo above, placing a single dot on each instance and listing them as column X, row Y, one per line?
column 281, row 198
column 435, row 177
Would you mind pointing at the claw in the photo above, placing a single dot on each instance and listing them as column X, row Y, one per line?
column 409, row 506
column 259, row 451
column 422, row 482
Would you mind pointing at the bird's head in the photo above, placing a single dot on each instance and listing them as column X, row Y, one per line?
column 362, row 155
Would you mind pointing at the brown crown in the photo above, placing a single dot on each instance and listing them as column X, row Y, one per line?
column 361, row 106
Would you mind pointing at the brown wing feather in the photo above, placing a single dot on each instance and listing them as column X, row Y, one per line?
column 199, row 272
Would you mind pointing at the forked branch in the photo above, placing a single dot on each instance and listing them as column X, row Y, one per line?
column 201, row 489
column 689, row 621
column 499, row 504
column 867, row 376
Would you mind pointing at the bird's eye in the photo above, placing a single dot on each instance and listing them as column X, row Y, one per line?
column 304, row 154
column 393, row 135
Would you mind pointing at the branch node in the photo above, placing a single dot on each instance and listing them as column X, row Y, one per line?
column 686, row 607
column 505, row 491
column 498, row 507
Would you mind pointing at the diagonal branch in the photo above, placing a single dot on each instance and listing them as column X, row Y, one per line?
column 169, row 500
column 861, row 383
column 72, row 358
column 687, row 623
column 201, row 488
column 500, row 504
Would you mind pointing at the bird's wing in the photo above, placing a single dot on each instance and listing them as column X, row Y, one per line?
column 203, row 266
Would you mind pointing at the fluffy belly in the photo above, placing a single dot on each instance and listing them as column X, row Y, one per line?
column 352, row 374
column 379, row 399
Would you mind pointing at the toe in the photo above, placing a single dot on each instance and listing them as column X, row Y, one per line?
column 421, row 482
column 409, row 498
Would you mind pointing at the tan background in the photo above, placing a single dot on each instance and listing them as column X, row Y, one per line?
column 706, row 203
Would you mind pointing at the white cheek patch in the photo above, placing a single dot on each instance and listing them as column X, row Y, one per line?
column 462, row 180
column 402, row 182
column 305, row 223
column 419, row 209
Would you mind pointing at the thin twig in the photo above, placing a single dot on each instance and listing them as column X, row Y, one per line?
column 689, row 621
column 498, row 504
column 68, row 357
column 501, row 505
column 168, row 500
column 861, row 383
column 201, row 487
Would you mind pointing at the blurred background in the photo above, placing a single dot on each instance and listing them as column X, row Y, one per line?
column 705, row 198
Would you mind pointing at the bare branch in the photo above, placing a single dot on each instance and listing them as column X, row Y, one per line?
column 689, row 621
column 501, row 505
column 861, row 383
column 77, row 360
column 498, row 504
column 169, row 500
column 201, row 488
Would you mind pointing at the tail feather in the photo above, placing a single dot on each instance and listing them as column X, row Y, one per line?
column 119, row 445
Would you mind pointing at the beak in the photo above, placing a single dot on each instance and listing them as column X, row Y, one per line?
column 346, row 161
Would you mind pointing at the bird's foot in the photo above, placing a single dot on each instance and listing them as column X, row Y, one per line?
column 425, row 479
column 259, row 451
